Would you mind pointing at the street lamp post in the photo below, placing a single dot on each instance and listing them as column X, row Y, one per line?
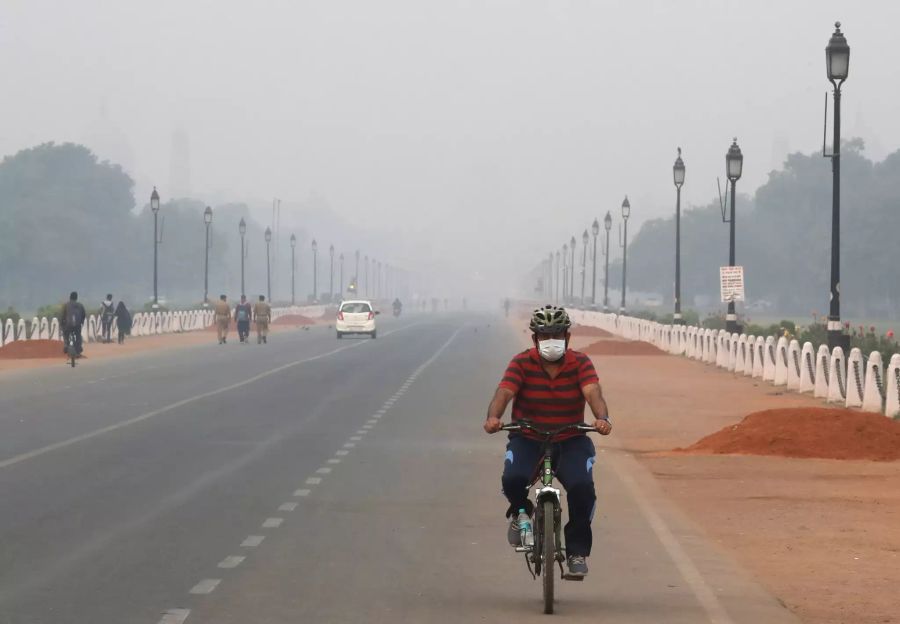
column 584, row 241
column 678, row 176
column 607, row 224
column 268, row 265
column 207, row 219
column 293, row 265
column 341, row 281
column 315, row 250
column 626, row 212
column 595, row 229
column 242, row 228
column 154, row 206
column 572, row 271
column 734, row 165
column 356, row 275
column 331, row 277
column 557, row 277
column 550, row 280
column 837, row 57
column 565, row 276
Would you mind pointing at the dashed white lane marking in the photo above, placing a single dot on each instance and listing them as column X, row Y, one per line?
column 301, row 492
column 232, row 561
column 356, row 438
column 342, row 453
column 349, row 445
column 206, row 586
column 323, row 470
column 272, row 523
column 253, row 541
column 175, row 616
column 361, row 432
column 380, row 412
column 367, row 427
column 376, row 416
column 288, row 506
column 334, row 460
column 371, row 421
column 314, row 481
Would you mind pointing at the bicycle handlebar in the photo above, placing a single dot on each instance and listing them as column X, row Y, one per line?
column 521, row 425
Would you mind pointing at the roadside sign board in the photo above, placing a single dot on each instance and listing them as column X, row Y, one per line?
column 731, row 283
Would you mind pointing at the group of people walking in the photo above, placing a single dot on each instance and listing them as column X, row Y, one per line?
column 73, row 315
column 243, row 314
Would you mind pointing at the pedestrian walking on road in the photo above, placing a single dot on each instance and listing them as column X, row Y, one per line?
column 223, row 318
column 123, row 321
column 242, row 314
column 107, row 315
column 262, row 314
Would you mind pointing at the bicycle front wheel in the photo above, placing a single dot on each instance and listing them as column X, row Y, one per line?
column 548, row 553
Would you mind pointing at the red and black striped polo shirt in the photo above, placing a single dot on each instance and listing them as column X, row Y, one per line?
column 546, row 401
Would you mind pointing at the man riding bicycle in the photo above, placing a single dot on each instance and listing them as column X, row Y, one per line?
column 71, row 318
column 549, row 385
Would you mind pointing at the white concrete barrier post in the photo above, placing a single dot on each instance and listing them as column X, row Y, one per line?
column 793, row 365
column 769, row 360
column 749, row 356
column 855, row 379
column 892, row 381
column 873, row 396
column 837, row 384
column 807, row 368
column 759, row 357
column 781, row 362
column 823, row 372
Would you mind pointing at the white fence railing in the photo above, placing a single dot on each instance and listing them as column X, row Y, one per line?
column 852, row 380
column 142, row 324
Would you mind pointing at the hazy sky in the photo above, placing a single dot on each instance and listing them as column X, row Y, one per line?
column 498, row 128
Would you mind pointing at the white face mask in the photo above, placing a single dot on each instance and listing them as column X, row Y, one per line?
column 553, row 349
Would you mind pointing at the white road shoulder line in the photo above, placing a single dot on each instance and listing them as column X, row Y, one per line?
column 232, row 561
column 253, row 541
column 175, row 616
column 206, row 586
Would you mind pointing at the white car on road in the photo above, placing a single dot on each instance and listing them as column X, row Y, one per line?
column 356, row 317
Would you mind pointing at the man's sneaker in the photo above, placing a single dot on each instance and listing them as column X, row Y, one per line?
column 514, row 533
column 577, row 565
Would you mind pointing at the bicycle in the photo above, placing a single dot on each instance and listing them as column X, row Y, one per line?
column 71, row 349
column 547, row 547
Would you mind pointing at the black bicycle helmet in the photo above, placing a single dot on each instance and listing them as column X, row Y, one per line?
column 549, row 320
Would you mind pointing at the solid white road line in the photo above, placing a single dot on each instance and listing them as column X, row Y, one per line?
column 175, row 616
column 232, row 561
column 272, row 523
column 206, row 586
column 253, row 541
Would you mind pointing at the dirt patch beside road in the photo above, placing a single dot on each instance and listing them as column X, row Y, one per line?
column 29, row 349
column 621, row 347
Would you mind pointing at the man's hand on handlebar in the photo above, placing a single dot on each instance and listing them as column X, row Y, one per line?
column 492, row 425
column 603, row 426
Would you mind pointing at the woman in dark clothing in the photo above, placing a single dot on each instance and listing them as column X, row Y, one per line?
column 123, row 321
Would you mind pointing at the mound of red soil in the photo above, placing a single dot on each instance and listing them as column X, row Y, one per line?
column 294, row 319
column 807, row 432
column 621, row 347
column 586, row 331
column 29, row 349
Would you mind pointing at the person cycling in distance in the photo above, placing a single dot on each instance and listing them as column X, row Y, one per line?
column 549, row 385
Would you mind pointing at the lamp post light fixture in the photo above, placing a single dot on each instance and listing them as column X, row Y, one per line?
column 607, row 224
column 315, row 250
column 154, row 206
column 293, row 267
column 626, row 212
column 207, row 219
column 595, row 230
column 584, row 241
column 678, row 177
column 734, row 167
column 268, row 265
column 837, row 58
column 242, row 228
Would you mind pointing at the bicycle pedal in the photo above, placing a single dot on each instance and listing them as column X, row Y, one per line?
column 569, row 577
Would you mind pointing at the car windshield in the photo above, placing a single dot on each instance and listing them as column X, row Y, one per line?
column 356, row 308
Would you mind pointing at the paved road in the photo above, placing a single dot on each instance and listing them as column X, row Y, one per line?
column 313, row 480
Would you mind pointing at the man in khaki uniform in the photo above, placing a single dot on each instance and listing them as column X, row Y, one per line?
column 223, row 316
column 262, row 314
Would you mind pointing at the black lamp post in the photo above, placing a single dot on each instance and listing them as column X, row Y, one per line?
column 595, row 229
column 207, row 219
column 584, row 241
column 242, row 228
column 557, row 277
column 626, row 212
column 293, row 265
column 356, row 275
column 837, row 58
column 315, row 250
column 734, row 166
column 572, row 270
column 154, row 206
column 331, row 278
column 550, row 280
column 678, row 176
column 607, row 224
column 341, row 281
column 268, row 265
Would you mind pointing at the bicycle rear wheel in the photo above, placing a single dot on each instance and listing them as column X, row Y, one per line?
column 548, row 553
